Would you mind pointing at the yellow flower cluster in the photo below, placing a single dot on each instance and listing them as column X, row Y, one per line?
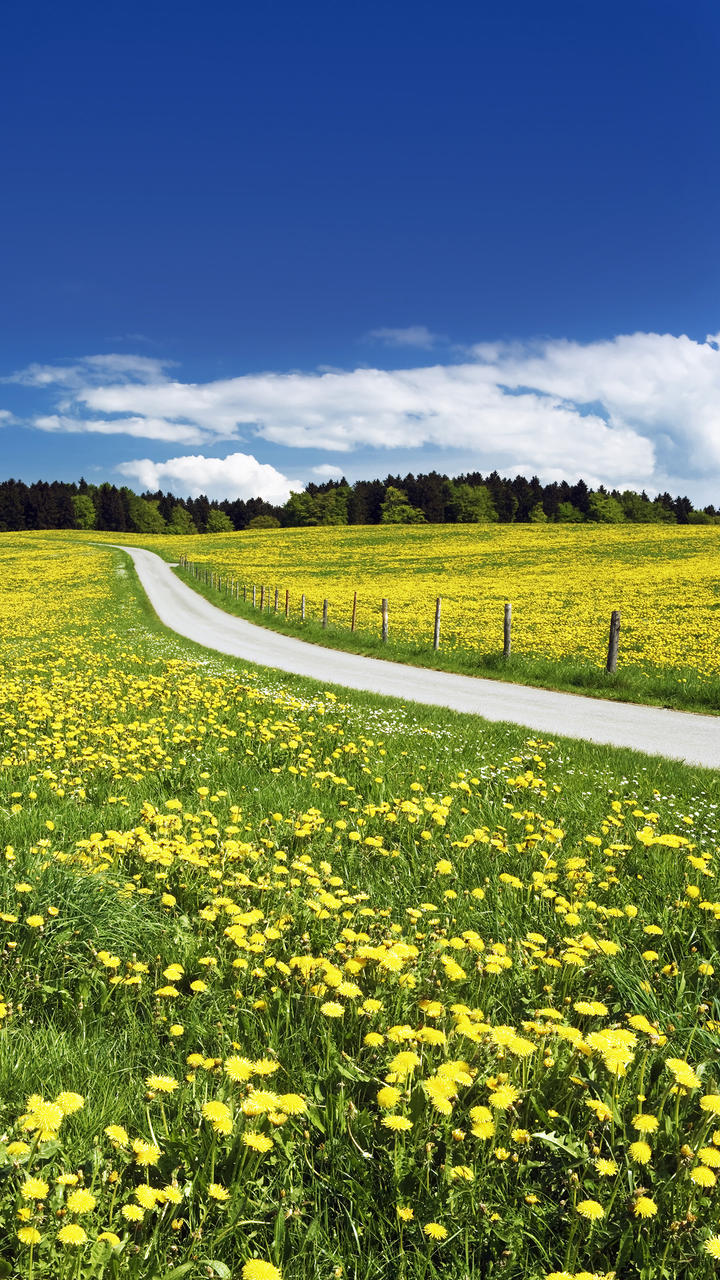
column 343, row 964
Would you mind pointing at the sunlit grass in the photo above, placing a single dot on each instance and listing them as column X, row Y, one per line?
column 343, row 987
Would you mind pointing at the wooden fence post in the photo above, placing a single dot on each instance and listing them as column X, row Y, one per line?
column 276, row 600
column 325, row 609
column 384, row 620
column 354, row 611
column 262, row 598
column 614, row 640
column 302, row 607
column 287, row 603
column 436, row 633
column 507, row 630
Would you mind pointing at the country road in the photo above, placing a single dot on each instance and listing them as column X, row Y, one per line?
column 678, row 735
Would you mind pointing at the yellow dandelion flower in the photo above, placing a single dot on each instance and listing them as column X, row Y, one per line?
column 256, row 1269
column 162, row 1084
column 606, row 1168
column 590, row 1209
column 238, row 1068
column 711, row 1102
column 146, row 1153
column 132, row 1213
column 405, row 1213
column 69, row 1103
column 71, row 1234
column 435, row 1231
column 219, row 1115
column 331, row 1009
column 34, row 1189
column 645, row 1123
column 117, row 1135
column 29, row 1235
column 388, row 1097
column 640, row 1152
column 503, row 1097
column 644, row 1207
column 81, row 1201
column 292, row 1104
column 711, row 1246
column 702, row 1176
column 218, row 1192
column 258, row 1141
column 400, row 1124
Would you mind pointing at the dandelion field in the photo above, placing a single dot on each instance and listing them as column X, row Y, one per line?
column 563, row 582
column 298, row 983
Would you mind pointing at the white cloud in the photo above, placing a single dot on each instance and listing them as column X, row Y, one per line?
column 6, row 417
column 415, row 335
column 92, row 369
column 145, row 428
column 640, row 409
column 327, row 472
column 239, row 475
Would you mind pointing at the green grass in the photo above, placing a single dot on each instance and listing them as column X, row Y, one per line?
column 323, row 1201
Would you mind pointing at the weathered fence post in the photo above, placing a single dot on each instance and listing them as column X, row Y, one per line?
column 507, row 630
column 354, row 611
column 325, row 609
column 262, row 598
column 436, row 633
column 276, row 600
column 302, row 607
column 614, row 641
column 287, row 603
column 384, row 620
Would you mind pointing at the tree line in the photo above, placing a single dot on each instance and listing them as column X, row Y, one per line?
column 423, row 499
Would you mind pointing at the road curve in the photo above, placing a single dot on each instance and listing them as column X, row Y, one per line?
column 678, row 735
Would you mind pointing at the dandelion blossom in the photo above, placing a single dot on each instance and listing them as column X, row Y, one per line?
column 162, row 1084
column 644, row 1207
column 435, row 1231
column 640, row 1152
column 71, row 1234
column 256, row 1269
column 711, row 1102
column 34, row 1189
column 702, row 1176
column 711, row 1246
column 590, row 1209
column 81, row 1201
column 219, row 1115
column 645, row 1123
column 504, row 1096
column 29, row 1235
column 400, row 1124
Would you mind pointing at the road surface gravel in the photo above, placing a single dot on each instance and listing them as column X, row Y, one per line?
column 678, row 735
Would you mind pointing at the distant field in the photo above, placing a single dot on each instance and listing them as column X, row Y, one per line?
column 300, row 985
column 563, row 583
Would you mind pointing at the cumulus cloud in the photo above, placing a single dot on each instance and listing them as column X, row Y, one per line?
column 239, row 475
column 415, row 335
column 327, row 472
column 640, row 409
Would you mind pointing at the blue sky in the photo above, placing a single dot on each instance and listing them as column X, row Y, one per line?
column 321, row 239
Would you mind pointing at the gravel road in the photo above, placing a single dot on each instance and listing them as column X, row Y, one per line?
column 678, row 735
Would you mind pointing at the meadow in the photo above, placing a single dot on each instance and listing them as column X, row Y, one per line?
column 563, row 582
column 299, row 983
